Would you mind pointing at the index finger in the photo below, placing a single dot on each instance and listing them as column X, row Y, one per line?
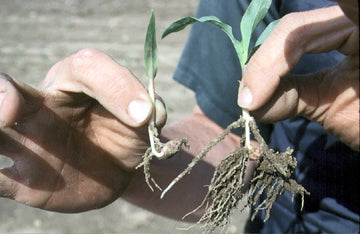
column 315, row 31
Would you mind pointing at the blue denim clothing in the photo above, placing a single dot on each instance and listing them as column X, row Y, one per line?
column 326, row 167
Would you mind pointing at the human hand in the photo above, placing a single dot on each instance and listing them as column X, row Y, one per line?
column 75, row 142
column 330, row 96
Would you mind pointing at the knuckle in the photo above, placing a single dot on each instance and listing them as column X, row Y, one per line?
column 292, row 28
column 294, row 25
column 293, row 20
column 87, row 53
column 83, row 60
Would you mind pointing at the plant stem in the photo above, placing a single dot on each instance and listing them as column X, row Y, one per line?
column 151, row 90
column 246, row 115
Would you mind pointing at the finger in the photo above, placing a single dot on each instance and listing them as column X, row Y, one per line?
column 7, row 186
column 284, row 103
column 314, row 31
column 330, row 97
column 351, row 9
column 11, row 101
column 94, row 73
column 10, row 148
column 313, row 95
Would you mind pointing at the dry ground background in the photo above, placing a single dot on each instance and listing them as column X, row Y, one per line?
column 36, row 34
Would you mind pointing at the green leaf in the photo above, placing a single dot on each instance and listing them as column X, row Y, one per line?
column 150, row 49
column 182, row 23
column 254, row 14
column 178, row 25
column 266, row 32
column 263, row 36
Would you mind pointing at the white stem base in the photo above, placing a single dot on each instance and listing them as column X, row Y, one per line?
column 151, row 90
column 247, row 117
column 152, row 143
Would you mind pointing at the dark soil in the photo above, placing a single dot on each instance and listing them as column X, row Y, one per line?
column 272, row 177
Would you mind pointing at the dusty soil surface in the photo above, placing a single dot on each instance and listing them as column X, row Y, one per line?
column 36, row 34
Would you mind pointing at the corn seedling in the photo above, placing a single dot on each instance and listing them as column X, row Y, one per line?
column 156, row 149
column 273, row 175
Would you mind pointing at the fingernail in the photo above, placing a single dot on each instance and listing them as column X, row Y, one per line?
column 139, row 110
column 245, row 97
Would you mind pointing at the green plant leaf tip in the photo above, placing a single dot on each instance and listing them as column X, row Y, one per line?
column 150, row 49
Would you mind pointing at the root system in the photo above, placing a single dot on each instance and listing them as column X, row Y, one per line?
column 270, row 180
column 168, row 149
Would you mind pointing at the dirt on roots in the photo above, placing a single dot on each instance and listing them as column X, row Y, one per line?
column 271, row 178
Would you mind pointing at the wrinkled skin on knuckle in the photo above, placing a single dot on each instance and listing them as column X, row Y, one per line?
column 84, row 63
column 84, row 59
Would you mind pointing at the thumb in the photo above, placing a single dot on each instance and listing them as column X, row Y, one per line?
column 94, row 73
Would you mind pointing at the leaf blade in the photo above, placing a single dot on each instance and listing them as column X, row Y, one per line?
column 178, row 25
column 150, row 49
column 254, row 14
column 263, row 36
column 182, row 23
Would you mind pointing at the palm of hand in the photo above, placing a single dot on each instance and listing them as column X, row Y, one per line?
column 69, row 153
